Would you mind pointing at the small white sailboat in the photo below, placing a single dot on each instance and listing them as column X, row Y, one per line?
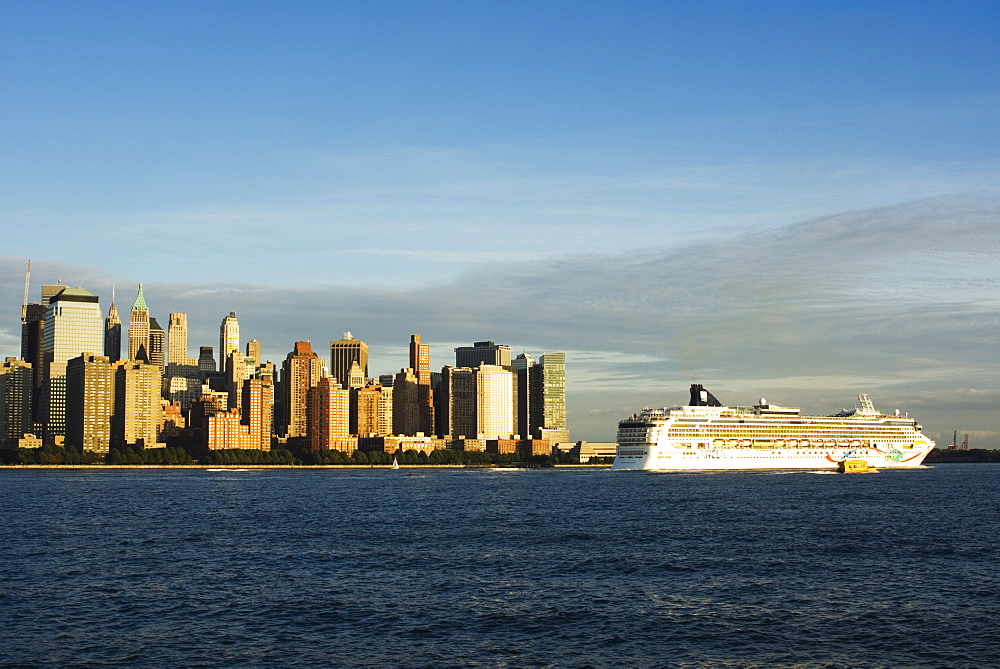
column 395, row 463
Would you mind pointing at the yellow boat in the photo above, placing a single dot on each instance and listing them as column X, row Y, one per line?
column 856, row 467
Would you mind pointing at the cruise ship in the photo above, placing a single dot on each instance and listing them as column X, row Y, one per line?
column 706, row 435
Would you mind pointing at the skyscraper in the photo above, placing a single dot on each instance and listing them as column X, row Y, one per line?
column 329, row 415
column 206, row 359
column 494, row 402
column 89, row 402
column 229, row 339
column 177, row 341
column 138, row 329
column 420, row 363
column 113, row 333
column 137, row 404
column 527, row 397
column 405, row 403
column 301, row 371
column 157, row 345
column 458, row 403
column 74, row 325
column 482, row 353
column 553, row 387
column 16, row 380
column 343, row 353
column 258, row 411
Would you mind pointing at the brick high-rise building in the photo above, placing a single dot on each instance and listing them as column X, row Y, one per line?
column 137, row 404
column 420, row 363
column 89, row 402
column 329, row 416
column 301, row 371
column 405, row 403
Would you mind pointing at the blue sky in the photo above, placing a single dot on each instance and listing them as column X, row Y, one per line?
column 403, row 150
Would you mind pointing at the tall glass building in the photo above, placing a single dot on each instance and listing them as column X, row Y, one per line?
column 74, row 325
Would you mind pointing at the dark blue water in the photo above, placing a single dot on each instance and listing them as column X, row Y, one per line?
column 441, row 568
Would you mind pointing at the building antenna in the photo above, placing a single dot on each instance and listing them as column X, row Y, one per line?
column 24, row 305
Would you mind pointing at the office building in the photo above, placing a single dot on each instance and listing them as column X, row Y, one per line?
column 552, row 381
column 157, row 345
column 138, row 329
column 74, row 325
column 177, row 341
column 482, row 353
column 458, row 406
column 113, row 333
column 206, row 359
column 229, row 339
column 495, row 402
column 343, row 354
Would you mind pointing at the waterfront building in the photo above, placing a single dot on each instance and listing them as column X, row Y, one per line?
column 258, row 411
column 552, row 381
column 89, row 402
column 16, row 383
column 482, row 353
column 494, row 402
column 329, row 416
column 225, row 430
column 138, row 329
column 33, row 353
column 137, row 404
column 301, row 371
column 344, row 355
column 229, row 339
column 371, row 410
column 113, row 333
column 74, row 325
column 527, row 395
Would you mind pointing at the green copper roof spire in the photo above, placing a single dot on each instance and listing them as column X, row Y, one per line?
column 140, row 301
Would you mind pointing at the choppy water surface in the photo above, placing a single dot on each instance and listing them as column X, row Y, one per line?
column 439, row 568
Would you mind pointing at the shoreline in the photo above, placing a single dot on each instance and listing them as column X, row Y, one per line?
column 308, row 467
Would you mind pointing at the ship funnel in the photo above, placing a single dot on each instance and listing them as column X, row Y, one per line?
column 702, row 398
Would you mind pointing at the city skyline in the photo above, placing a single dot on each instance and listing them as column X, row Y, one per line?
column 790, row 200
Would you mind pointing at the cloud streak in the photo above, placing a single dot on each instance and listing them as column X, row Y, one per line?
column 902, row 302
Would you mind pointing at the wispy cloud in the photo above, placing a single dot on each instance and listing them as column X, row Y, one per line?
column 901, row 301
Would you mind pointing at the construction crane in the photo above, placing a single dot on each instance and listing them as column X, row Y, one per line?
column 24, row 305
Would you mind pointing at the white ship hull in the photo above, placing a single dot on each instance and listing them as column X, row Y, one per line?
column 667, row 459
column 705, row 435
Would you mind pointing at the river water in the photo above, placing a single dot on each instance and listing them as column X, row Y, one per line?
column 485, row 568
